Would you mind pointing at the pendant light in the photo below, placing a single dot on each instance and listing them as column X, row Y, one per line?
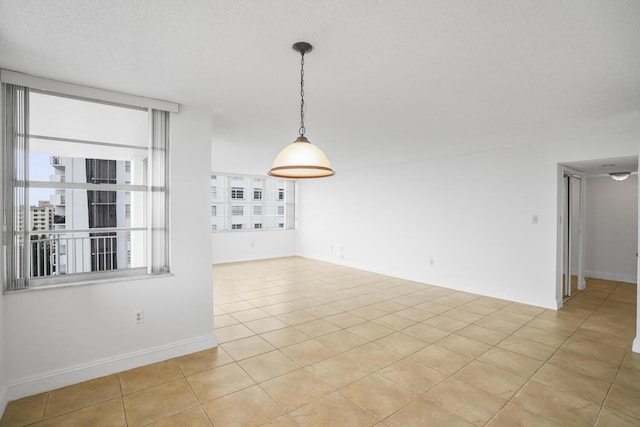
column 301, row 159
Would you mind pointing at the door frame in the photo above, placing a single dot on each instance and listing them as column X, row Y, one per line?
column 562, row 171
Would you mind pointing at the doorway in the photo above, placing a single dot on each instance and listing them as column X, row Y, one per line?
column 575, row 250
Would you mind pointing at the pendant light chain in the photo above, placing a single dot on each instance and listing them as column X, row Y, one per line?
column 302, row 128
column 301, row 159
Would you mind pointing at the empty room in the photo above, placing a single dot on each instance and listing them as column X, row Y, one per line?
column 319, row 213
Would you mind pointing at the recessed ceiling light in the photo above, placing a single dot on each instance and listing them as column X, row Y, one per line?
column 608, row 165
column 620, row 176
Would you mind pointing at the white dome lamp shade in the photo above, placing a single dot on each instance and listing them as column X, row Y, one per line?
column 301, row 159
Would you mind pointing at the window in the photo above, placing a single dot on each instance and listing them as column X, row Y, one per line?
column 214, row 210
column 271, row 207
column 237, row 193
column 91, row 163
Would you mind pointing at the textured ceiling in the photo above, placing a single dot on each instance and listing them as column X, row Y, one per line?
column 382, row 75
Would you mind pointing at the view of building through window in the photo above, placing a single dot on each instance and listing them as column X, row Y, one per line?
column 82, row 205
column 250, row 203
column 67, row 164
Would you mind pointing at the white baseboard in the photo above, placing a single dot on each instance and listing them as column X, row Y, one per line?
column 559, row 303
column 76, row 374
column 636, row 345
column 616, row 277
column 250, row 258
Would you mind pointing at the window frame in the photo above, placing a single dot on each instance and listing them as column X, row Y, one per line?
column 237, row 193
column 276, row 193
column 257, row 193
column 157, row 195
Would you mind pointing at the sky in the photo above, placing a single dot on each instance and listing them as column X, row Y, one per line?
column 39, row 170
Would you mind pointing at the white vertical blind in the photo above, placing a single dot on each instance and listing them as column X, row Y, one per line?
column 16, row 205
column 290, row 209
column 158, row 243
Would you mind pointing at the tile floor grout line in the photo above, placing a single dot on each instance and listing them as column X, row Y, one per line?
column 362, row 295
column 472, row 359
column 604, row 401
column 46, row 403
column 124, row 410
column 200, row 404
column 530, row 378
column 551, row 356
column 416, row 396
column 507, row 401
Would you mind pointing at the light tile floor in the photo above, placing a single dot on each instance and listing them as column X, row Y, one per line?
column 313, row 344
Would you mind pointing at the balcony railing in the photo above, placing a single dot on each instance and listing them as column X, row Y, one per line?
column 95, row 251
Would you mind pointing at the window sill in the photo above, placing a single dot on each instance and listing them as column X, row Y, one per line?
column 246, row 230
column 87, row 282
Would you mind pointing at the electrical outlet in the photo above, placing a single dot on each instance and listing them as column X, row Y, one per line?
column 432, row 262
column 139, row 316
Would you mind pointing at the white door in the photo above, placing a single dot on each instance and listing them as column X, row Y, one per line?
column 572, row 274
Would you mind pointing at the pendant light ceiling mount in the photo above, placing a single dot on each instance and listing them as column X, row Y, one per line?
column 301, row 159
column 302, row 47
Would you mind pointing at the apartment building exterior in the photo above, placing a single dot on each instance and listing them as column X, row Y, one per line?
column 251, row 203
column 80, row 211
column 42, row 216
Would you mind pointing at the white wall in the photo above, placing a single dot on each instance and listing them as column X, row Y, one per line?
column 468, row 211
column 636, row 341
column 471, row 213
column 61, row 336
column 247, row 159
column 235, row 246
column 3, row 389
column 611, row 234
